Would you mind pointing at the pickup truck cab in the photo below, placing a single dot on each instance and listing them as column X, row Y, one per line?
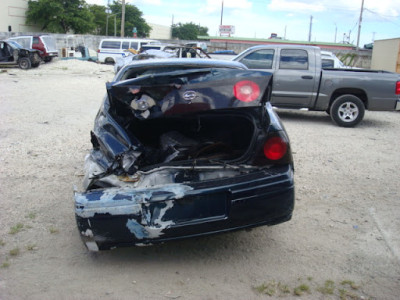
column 13, row 54
column 300, row 82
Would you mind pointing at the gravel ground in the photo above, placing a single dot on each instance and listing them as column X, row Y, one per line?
column 342, row 243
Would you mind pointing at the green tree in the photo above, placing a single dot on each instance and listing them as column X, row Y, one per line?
column 188, row 31
column 100, row 19
column 133, row 18
column 60, row 15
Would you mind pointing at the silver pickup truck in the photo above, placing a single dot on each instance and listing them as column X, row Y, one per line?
column 300, row 82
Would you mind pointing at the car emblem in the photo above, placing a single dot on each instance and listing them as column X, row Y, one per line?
column 189, row 95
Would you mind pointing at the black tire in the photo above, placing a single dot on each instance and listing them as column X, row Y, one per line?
column 47, row 59
column 109, row 61
column 35, row 65
column 347, row 111
column 24, row 63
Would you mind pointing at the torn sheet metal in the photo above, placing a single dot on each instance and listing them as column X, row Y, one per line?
column 124, row 201
column 185, row 91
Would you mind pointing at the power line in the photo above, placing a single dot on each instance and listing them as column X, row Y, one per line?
column 382, row 16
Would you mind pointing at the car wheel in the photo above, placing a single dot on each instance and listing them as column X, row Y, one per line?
column 24, row 63
column 35, row 65
column 347, row 111
column 109, row 60
column 47, row 59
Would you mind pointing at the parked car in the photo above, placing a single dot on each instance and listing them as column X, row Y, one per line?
column 300, row 82
column 44, row 43
column 148, row 54
column 184, row 148
column 13, row 54
column 178, row 51
column 201, row 45
column 112, row 49
column 155, row 51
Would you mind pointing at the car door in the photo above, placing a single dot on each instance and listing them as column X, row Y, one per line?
column 3, row 52
column 295, row 78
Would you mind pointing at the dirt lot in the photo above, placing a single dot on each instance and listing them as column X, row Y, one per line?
column 343, row 241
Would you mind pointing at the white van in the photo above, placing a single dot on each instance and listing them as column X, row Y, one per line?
column 112, row 49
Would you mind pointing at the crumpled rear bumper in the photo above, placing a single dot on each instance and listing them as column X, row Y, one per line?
column 116, row 217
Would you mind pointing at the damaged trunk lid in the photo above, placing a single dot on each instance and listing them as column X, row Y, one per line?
column 189, row 91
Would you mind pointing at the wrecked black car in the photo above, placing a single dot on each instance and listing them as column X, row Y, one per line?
column 184, row 148
column 13, row 54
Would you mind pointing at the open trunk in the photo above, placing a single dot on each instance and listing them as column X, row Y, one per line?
column 181, row 118
column 222, row 136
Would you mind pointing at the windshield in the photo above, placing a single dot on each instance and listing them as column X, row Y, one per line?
column 14, row 44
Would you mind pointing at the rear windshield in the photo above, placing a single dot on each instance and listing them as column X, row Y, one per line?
column 111, row 45
column 15, row 44
column 50, row 43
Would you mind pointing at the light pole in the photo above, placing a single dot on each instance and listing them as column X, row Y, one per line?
column 335, row 31
column 115, row 24
column 123, row 19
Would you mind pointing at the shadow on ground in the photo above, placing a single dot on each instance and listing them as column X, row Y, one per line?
column 371, row 119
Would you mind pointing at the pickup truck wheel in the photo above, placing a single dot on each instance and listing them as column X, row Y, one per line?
column 24, row 63
column 347, row 110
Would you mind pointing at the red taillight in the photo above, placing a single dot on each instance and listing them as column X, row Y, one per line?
column 397, row 87
column 246, row 91
column 98, row 50
column 275, row 148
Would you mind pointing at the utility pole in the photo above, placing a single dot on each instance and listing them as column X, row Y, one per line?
column 359, row 24
column 222, row 11
column 123, row 19
column 115, row 24
column 309, row 34
column 335, row 31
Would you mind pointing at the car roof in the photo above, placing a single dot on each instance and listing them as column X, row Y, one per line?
column 282, row 46
column 28, row 36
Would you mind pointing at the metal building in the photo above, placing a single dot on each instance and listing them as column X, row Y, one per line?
column 386, row 55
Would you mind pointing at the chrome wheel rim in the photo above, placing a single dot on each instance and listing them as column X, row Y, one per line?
column 348, row 112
